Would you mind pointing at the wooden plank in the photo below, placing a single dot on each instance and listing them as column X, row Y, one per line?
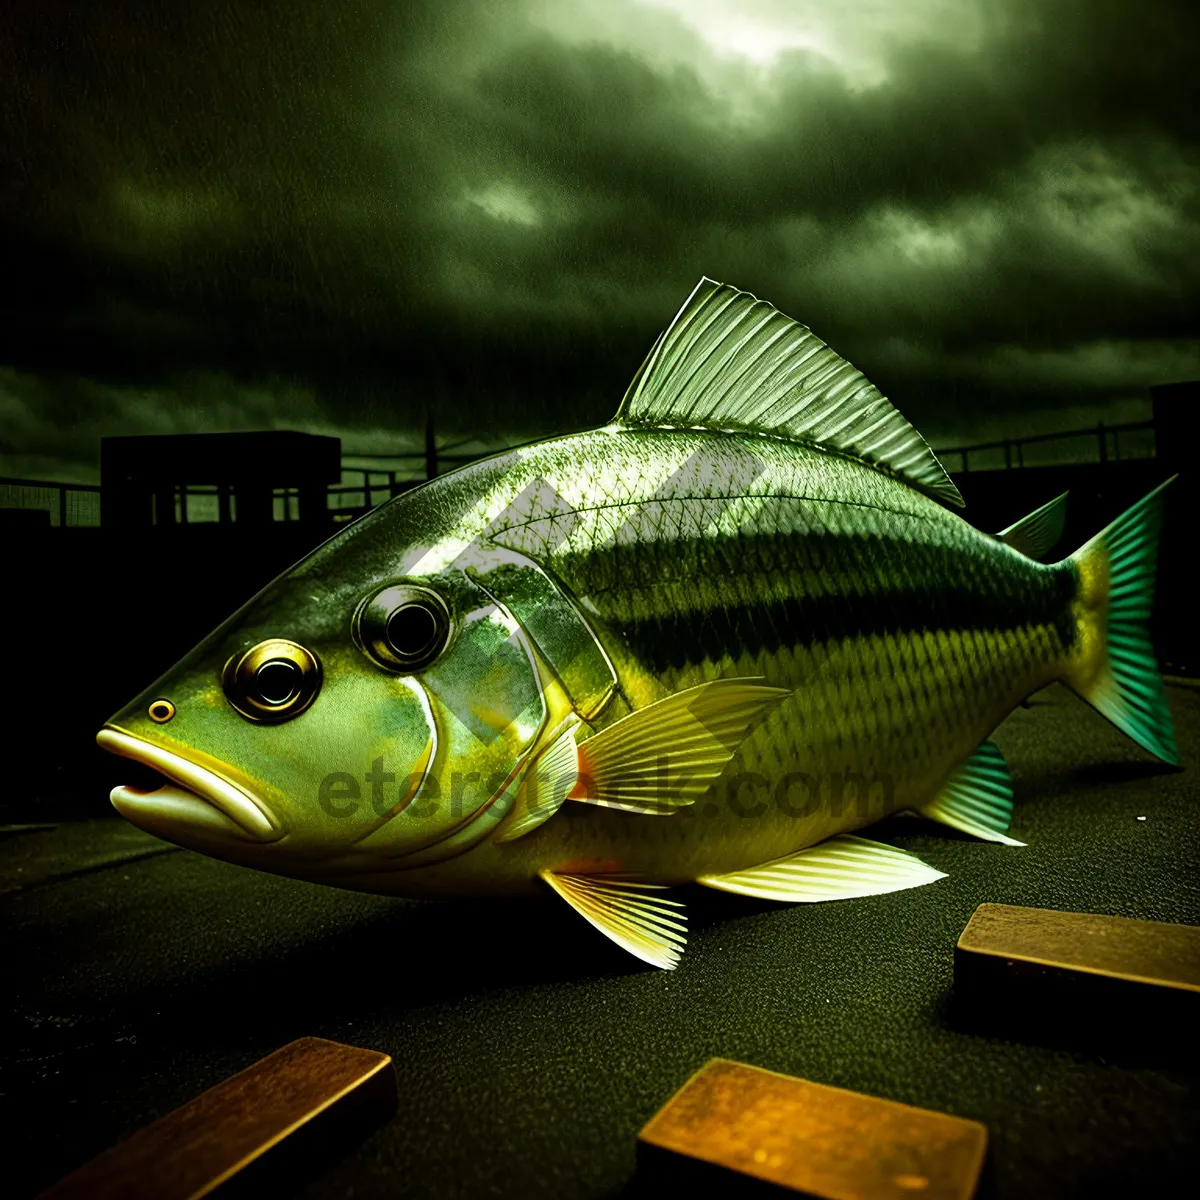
column 1010, row 939
column 292, row 1106
column 1126, row 988
column 816, row 1140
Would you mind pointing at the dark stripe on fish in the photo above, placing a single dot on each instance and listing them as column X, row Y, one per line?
column 923, row 588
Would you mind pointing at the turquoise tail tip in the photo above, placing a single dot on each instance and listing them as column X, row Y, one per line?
column 1117, row 569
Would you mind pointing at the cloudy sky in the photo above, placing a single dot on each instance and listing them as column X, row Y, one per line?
column 332, row 216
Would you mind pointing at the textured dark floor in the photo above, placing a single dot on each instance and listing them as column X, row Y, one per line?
column 529, row 1051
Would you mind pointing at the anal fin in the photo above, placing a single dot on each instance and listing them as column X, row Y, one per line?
column 839, row 868
column 622, row 909
column 977, row 798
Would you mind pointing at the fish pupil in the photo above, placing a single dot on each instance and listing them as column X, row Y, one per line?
column 411, row 630
column 278, row 681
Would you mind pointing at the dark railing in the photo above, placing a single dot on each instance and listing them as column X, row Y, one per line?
column 78, row 504
column 1014, row 448
column 64, row 503
column 389, row 481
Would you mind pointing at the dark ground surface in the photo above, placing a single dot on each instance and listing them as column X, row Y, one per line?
column 529, row 1051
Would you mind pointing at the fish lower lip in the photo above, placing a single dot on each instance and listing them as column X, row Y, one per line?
column 190, row 786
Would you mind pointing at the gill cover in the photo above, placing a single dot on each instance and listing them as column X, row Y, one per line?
column 486, row 709
column 554, row 625
column 486, row 694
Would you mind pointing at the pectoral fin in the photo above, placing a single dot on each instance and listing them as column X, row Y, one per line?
column 839, row 868
column 977, row 798
column 666, row 755
column 651, row 928
column 545, row 786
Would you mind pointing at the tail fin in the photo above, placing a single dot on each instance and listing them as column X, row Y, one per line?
column 1115, row 670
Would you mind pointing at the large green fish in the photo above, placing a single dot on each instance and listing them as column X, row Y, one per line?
column 701, row 644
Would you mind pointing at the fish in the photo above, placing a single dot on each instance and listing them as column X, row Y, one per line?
column 706, row 643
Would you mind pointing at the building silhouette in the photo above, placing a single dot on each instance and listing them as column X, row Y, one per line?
column 147, row 480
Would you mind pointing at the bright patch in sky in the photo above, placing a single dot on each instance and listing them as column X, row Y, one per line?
column 503, row 201
column 730, row 29
column 855, row 37
column 922, row 242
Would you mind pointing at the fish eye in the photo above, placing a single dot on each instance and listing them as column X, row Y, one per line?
column 273, row 681
column 403, row 626
column 161, row 711
column 411, row 630
column 278, row 680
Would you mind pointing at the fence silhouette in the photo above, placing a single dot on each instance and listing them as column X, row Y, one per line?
column 62, row 503
column 1101, row 444
column 376, row 478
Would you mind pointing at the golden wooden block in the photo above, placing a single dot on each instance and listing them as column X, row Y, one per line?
column 1003, row 939
column 819, row 1141
column 309, row 1091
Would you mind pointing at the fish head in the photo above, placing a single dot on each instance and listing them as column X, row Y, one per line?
column 369, row 704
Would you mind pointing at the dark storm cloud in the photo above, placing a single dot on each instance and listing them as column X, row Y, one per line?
column 297, row 214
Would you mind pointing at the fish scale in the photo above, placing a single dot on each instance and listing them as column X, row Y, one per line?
column 630, row 584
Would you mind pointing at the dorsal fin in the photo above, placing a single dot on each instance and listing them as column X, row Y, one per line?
column 730, row 361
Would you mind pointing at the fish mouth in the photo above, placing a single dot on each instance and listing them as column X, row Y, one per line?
column 192, row 796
